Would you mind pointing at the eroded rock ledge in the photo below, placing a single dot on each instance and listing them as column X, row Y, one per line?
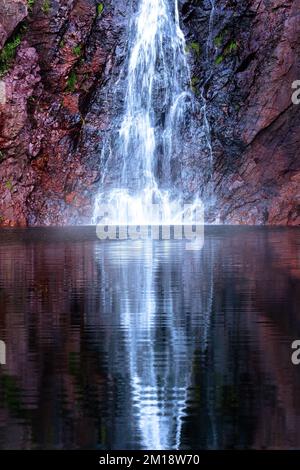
column 65, row 56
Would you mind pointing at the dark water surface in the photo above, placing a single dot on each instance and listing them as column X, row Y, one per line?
column 129, row 345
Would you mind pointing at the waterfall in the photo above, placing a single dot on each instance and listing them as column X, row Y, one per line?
column 140, row 168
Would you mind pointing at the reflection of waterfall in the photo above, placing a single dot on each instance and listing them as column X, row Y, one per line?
column 161, row 329
column 143, row 156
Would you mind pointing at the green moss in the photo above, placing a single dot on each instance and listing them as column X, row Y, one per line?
column 72, row 82
column 8, row 53
column 224, row 42
column 77, row 50
column 195, row 47
column 9, row 185
column 62, row 43
column 194, row 82
column 46, row 7
column 218, row 40
column 30, row 4
column 219, row 59
column 100, row 8
column 232, row 47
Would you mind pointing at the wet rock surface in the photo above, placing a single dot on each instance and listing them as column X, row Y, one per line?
column 254, row 125
column 11, row 13
column 61, row 99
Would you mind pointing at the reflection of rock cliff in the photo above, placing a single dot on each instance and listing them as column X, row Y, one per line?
column 60, row 61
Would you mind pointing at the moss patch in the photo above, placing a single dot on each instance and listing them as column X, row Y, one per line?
column 77, row 50
column 72, row 82
column 46, row 7
column 100, row 8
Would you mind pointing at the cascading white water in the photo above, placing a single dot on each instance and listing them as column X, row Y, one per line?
column 138, row 171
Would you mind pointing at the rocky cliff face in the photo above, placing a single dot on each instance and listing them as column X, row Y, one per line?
column 59, row 65
column 255, row 126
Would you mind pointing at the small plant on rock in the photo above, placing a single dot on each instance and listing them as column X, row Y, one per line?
column 72, row 82
column 77, row 50
column 46, row 7
column 30, row 4
column 100, row 8
column 8, row 53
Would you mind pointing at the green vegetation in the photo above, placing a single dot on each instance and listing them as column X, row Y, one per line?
column 195, row 47
column 9, row 185
column 1, row 156
column 77, row 50
column 100, row 8
column 72, row 82
column 46, row 7
column 231, row 47
column 219, row 59
column 30, row 4
column 194, row 83
column 227, row 45
column 222, row 36
column 218, row 40
column 8, row 53
column 62, row 43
